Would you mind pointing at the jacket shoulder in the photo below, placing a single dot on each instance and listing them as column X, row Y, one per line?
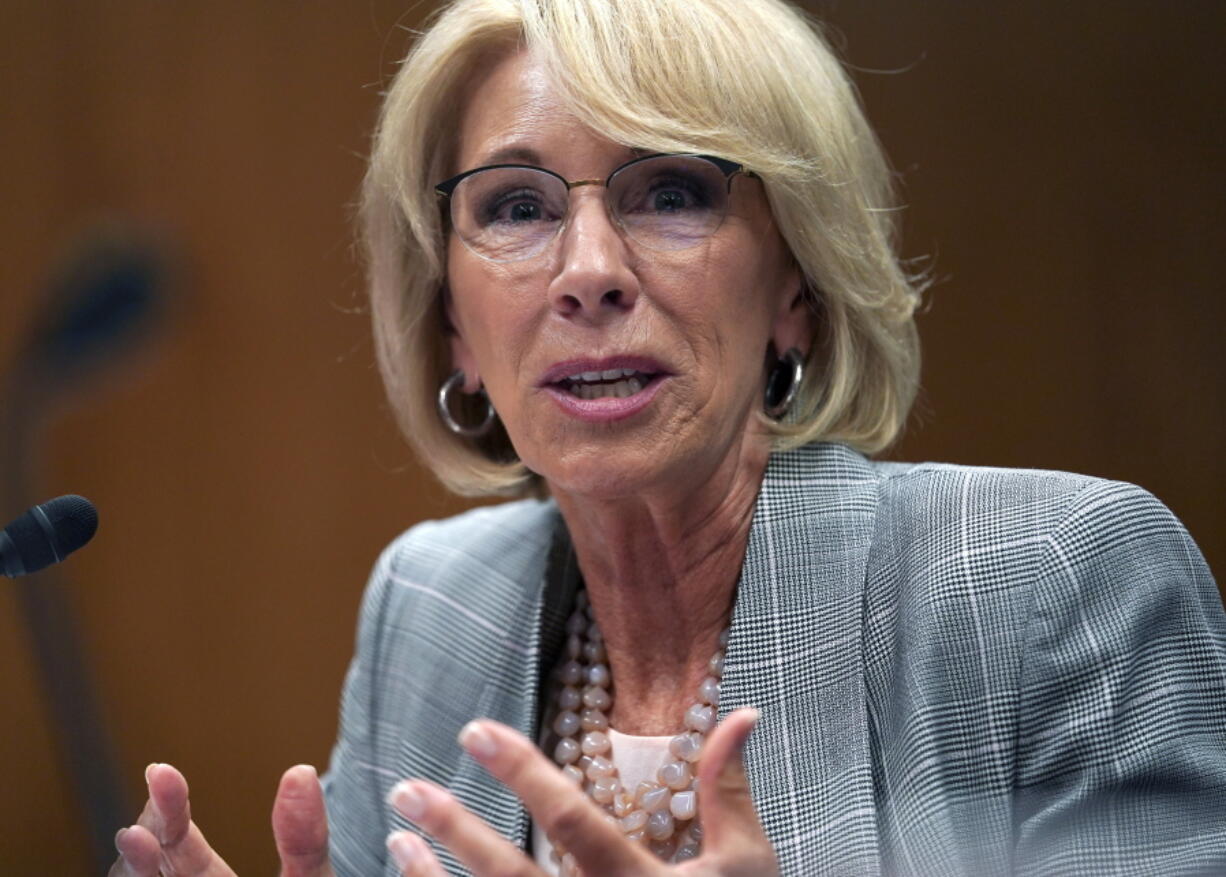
column 945, row 530
column 462, row 572
column 1008, row 512
column 950, row 491
column 507, row 537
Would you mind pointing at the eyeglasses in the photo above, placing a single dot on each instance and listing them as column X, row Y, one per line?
column 511, row 212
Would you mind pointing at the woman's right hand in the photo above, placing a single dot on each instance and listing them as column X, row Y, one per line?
column 166, row 841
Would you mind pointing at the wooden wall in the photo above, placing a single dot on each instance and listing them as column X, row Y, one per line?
column 1062, row 166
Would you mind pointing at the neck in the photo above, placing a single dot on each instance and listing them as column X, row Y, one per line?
column 661, row 570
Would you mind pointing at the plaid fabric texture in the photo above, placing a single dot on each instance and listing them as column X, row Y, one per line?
column 960, row 671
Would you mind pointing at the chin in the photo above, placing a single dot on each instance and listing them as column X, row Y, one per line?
column 603, row 474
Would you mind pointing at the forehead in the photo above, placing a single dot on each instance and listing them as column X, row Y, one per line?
column 513, row 113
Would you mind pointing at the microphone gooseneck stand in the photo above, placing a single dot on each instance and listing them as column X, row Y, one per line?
column 101, row 303
column 51, row 630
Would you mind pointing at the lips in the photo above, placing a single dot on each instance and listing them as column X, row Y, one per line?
column 604, row 377
column 604, row 389
column 618, row 383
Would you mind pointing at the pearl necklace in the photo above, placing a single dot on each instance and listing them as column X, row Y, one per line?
column 662, row 815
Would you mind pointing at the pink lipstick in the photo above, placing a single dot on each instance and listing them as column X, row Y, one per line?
column 604, row 390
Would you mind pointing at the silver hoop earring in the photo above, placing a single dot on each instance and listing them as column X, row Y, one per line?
column 444, row 409
column 783, row 383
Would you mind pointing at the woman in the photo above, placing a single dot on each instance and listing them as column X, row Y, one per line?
column 637, row 257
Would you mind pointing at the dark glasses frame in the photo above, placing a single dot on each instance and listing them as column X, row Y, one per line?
column 729, row 168
column 446, row 189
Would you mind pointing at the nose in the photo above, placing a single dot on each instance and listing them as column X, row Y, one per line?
column 595, row 282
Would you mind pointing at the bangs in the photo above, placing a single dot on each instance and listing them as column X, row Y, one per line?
column 701, row 76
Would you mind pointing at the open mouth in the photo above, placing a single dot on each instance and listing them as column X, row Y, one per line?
column 617, row 383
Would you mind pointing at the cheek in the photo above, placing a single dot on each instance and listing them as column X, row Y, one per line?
column 730, row 304
column 737, row 320
column 472, row 305
column 493, row 317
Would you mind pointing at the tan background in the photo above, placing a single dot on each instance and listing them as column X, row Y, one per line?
column 1062, row 163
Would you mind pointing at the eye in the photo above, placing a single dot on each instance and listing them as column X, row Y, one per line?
column 667, row 191
column 668, row 200
column 513, row 207
column 675, row 193
column 524, row 211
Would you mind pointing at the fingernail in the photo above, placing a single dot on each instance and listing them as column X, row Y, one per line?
column 477, row 739
column 409, row 800
column 403, row 846
column 301, row 779
column 118, row 835
column 150, row 767
column 755, row 714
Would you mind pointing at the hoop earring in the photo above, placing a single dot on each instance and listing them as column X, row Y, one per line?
column 784, row 383
column 444, row 409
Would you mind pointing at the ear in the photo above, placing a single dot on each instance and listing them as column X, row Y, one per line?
column 461, row 354
column 795, row 315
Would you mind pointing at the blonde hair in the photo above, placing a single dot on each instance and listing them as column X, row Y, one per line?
column 749, row 80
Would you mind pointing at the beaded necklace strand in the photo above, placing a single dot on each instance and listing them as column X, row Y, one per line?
column 663, row 814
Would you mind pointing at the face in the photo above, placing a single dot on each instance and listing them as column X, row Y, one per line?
column 693, row 325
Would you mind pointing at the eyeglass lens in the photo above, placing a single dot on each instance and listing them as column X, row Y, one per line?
column 667, row 202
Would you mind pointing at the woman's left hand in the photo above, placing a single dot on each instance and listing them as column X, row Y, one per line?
column 734, row 842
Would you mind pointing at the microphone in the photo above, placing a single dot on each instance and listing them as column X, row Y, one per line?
column 106, row 293
column 46, row 534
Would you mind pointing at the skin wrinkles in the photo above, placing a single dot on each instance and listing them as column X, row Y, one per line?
column 659, row 505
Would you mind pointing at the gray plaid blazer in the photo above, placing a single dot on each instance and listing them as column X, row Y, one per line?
column 960, row 671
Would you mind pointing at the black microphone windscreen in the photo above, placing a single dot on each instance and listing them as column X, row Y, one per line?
column 73, row 519
column 48, row 533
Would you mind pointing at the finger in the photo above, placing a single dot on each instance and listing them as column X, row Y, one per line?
column 167, row 816
column 730, row 824
column 168, row 812
column 473, row 842
column 300, row 824
column 140, row 854
column 412, row 856
column 558, row 806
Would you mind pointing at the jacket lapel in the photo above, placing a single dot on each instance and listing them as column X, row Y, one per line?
column 540, row 623
column 796, row 653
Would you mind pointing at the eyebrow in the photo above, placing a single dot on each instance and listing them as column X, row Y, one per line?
column 525, row 155
column 511, row 155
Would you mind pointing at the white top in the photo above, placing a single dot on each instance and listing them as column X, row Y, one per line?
column 636, row 759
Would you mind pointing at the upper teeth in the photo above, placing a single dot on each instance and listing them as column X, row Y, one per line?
column 612, row 374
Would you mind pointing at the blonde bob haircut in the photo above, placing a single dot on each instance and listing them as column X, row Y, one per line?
column 752, row 81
